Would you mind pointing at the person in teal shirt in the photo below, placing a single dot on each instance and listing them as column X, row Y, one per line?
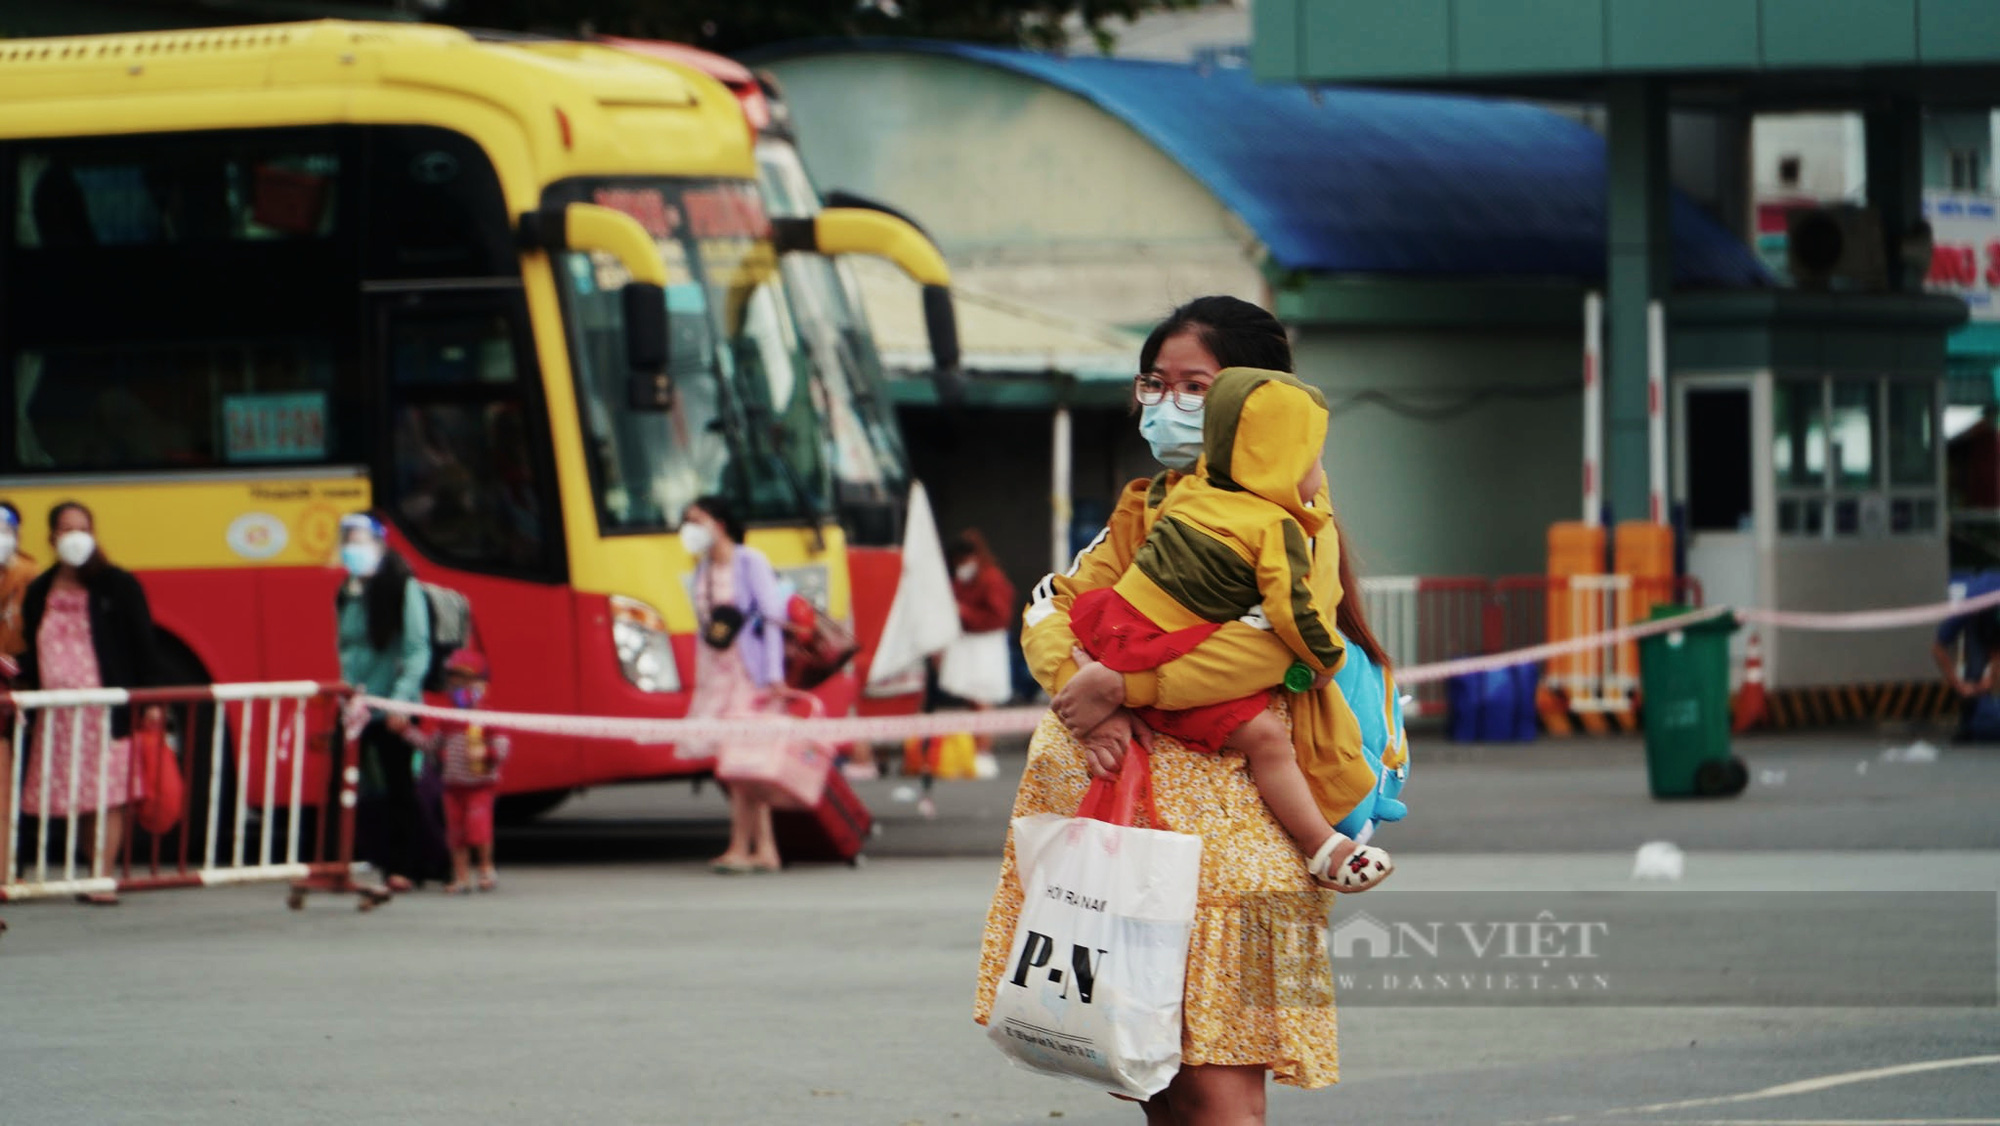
column 385, row 650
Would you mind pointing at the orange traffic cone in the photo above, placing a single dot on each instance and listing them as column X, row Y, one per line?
column 1751, row 704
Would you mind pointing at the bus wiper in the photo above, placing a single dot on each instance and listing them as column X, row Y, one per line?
column 780, row 440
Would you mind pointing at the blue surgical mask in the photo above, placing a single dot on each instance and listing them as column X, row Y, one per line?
column 361, row 559
column 1174, row 434
column 470, row 696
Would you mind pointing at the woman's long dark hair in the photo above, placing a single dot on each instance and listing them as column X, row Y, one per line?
column 97, row 564
column 1237, row 333
column 383, row 593
column 1349, row 617
column 724, row 513
column 1242, row 335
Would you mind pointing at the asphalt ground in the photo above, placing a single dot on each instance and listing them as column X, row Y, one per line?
column 1827, row 790
column 612, row 979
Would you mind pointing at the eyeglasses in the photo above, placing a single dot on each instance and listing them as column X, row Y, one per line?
column 1151, row 391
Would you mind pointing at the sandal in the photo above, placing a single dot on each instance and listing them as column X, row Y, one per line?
column 457, row 889
column 400, row 884
column 371, row 898
column 488, row 880
column 1342, row 865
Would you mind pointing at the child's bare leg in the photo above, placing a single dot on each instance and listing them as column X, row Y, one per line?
column 1274, row 766
column 1336, row 860
column 461, row 867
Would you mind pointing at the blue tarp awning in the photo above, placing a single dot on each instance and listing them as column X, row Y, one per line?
column 1371, row 181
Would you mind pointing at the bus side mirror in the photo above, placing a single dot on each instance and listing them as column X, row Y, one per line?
column 650, row 388
column 588, row 227
column 859, row 226
column 941, row 325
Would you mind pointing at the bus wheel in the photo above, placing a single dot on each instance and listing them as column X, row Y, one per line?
column 519, row 809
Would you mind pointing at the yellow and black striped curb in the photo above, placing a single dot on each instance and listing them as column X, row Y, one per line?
column 1834, row 706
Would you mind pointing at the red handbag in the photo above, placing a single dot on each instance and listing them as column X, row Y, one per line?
column 817, row 645
column 160, row 807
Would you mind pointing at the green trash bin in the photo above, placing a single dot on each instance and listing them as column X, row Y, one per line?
column 1684, row 676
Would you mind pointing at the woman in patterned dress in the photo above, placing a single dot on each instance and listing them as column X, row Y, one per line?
column 89, row 627
column 739, row 659
column 1259, row 993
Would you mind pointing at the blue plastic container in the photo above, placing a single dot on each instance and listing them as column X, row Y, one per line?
column 1497, row 706
column 1527, row 726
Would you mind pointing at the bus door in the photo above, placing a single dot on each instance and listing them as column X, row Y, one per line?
column 465, row 473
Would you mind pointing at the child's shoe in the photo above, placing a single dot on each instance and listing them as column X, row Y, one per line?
column 1357, row 870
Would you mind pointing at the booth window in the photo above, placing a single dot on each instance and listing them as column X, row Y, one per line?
column 1798, row 454
column 1852, row 428
column 1855, row 457
column 1912, row 435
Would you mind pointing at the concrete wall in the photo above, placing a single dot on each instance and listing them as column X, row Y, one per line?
column 1831, row 151
column 1827, row 145
column 1471, row 486
column 1948, row 130
column 1033, row 194
column 1854, row 575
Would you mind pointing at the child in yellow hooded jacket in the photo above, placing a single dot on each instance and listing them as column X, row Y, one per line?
column 1240, row 539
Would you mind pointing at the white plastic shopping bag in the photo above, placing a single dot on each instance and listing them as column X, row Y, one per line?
column 1093, row 985
column 979, row 667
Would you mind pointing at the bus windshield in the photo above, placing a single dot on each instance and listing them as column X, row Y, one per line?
column 865, row 447
column 745, row 420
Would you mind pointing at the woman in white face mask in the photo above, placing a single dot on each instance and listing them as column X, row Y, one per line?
column 739, row 658
column 87, row 625
column 385, row 650
column 1254, row 1008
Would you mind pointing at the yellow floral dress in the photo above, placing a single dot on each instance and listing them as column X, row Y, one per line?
column 1259, row 986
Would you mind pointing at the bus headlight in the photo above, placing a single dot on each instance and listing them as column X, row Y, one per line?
column 645, row 650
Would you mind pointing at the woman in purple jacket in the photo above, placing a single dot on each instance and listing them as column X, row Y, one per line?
column 740, row 657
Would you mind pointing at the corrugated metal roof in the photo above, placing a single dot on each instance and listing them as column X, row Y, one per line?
column 1371, row 181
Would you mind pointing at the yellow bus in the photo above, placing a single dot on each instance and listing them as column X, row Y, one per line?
column 858, row 463
column 523, row 299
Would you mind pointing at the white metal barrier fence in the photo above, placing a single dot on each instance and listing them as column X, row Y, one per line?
column 250, row 780
column 1422, row 620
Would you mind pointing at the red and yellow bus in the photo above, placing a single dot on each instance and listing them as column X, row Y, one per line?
column 868, row 466
column 524, row 299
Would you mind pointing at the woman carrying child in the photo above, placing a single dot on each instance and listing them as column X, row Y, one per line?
column 1259, row 993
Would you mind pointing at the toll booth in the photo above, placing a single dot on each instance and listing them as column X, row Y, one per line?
column 1808, row 466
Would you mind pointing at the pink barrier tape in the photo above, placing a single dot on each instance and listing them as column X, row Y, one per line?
column 1846, row 621
column 1018, row 721
column 1445, row 670
column 1861, row 620
column 840, row 729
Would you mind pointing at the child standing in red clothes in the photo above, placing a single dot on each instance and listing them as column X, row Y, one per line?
column 471, row 759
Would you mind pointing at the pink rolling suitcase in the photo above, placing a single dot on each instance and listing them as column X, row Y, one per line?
column 787, row 774
column 834, row 830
